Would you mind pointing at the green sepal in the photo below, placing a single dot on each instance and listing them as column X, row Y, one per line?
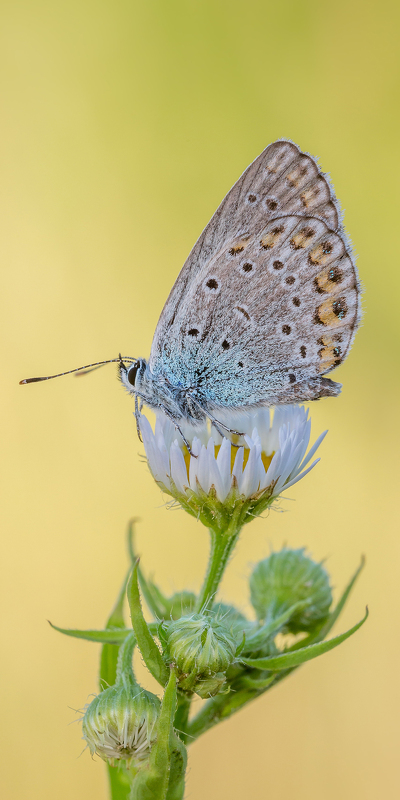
column 112, row 636
column 147, row 646
column 240, row 646
column 292, row 659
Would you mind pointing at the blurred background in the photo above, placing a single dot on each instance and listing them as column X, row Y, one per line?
column 124, row 124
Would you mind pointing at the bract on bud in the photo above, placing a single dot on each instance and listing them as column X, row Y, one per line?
column 182, row 603
column 285, row 579
column 201, row 648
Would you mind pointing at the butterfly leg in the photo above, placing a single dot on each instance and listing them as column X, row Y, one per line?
column 137, row 417
column 216, row 422
column 168, row 414
column 217, row 428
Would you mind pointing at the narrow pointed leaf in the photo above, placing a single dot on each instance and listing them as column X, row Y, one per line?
column 116, row 618
column 110, row 636
column 176, row 784
column 328, row 625
column 155, row 599
column 295, row 658
column 109, row 651
column 272, row 627
column 147, row 646
column 162, row 747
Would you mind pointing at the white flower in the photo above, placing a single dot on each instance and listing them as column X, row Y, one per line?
column 272, row 457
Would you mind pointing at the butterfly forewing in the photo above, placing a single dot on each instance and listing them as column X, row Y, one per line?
column 268, row 300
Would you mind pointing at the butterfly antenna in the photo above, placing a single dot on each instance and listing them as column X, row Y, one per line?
column 80, row 370
column 86, row 371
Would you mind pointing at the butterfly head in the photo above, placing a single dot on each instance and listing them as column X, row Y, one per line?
column 132, row 374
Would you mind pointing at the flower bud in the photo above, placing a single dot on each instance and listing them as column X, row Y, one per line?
column 287, row 578
column 119, row 724
column 201, row 649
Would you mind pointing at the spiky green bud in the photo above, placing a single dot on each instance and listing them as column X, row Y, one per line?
column 201, row 648
column 120, row 723
column 285, row 579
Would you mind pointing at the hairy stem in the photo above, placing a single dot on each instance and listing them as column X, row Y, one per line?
column 222, row 544
column 182, row 717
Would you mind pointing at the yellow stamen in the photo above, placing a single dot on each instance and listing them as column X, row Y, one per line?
column 266, row 460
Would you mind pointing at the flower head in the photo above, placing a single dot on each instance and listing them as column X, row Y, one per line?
column 219, row 476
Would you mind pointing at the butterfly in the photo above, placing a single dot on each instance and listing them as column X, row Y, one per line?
column 266, row 304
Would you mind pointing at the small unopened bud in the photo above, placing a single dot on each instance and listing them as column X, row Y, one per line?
column 285, row 579
column 120, row 723
column 201, row 649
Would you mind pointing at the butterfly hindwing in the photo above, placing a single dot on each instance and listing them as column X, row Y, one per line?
column 268, row 300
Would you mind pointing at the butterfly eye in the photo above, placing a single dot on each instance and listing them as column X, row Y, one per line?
column 132, row 372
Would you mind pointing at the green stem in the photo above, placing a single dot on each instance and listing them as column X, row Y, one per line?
column 222, row 544
column 120, row 784
column 182, row 717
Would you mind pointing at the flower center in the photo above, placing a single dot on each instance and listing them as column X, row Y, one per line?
column 266, row 460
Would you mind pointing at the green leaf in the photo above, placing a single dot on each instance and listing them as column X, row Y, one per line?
column 295, row 658
column 272, row 627
column 151, row 783
column 116, row 618
column 328, row 625
column 147, row 646
column 108, row 637
column 176, row 784
column 339, row 607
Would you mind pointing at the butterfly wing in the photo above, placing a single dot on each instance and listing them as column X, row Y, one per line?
column 268, row 299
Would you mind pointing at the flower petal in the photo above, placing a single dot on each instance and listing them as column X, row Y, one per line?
column 178, row 468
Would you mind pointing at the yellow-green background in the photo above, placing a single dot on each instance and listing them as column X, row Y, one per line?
column 124, row 124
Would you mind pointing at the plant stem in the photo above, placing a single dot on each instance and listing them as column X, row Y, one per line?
column 222, row 544
column 182, row 717
column 120, row 784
